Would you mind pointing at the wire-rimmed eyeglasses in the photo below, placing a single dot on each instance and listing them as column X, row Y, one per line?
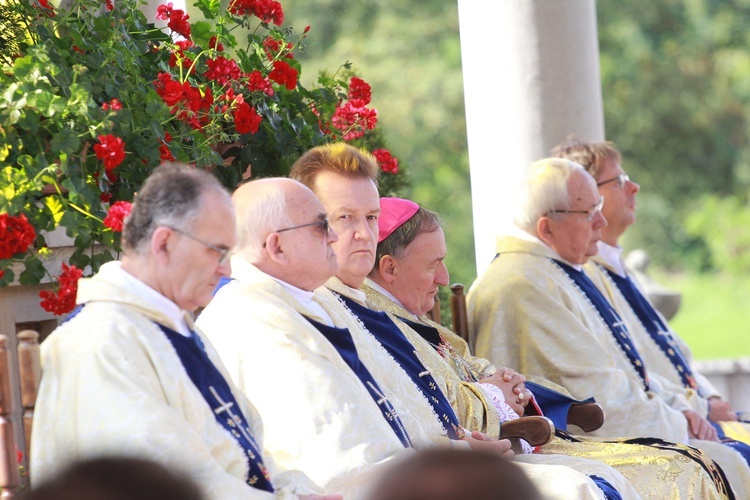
column 590, row 214
column 621, row 179
column 323, row 222
column 224, row 253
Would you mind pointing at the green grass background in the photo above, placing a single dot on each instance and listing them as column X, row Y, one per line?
column 714, row 318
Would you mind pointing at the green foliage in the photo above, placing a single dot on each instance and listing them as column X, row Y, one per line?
column 724, row 224
column 676, row 86
column 98, row 97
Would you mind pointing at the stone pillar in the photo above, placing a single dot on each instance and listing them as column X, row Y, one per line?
column 531, row 78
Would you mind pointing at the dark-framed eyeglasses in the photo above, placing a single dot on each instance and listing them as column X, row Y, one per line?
column 323, row 222
column 224, row 253
column 621, row 179
column 590, row 214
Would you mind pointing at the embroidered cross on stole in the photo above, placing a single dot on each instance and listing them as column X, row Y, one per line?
column 215, row 390
column 655, row 327
column 405, row 354
column 342, row 340
column 615, row 325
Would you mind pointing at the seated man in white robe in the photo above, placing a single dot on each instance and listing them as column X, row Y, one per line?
column 409, row 269
column 344, row 179
column 320, row 394
column 663, row 351
column 535, row 308
column 128, row 373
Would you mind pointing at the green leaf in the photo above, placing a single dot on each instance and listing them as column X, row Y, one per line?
column 55, row 207
column 65, row 141
column 201, row 32
column 33, row 272
column 210, row 8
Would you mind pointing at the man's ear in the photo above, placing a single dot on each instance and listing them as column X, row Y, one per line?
column 274, row 250
column 162, row 243
column 387, row 267
column 544, row 230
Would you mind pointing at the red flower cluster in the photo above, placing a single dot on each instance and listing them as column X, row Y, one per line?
column 184, row 100
column 114, row 104
column 65, row 299
column 265, row 10
column 116, row 215
column 388, row 163
column 110, row 150
column 181, row 53
column 274, row 47
column 213, row 43
column 360, row 90
column 283, row 74
column 16, row 235
column 222, row 70
column 165, row 153
column 47, row 8
column 176, row 19
column 256, row 82
column 246, row 119
column 353, row 120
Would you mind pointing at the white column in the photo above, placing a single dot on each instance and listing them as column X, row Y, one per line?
column 531, row 78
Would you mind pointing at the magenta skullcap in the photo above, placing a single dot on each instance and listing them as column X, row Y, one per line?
column 393, row 213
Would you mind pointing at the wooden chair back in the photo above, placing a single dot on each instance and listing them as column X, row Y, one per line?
column 9, row 477
column 29, row 368
column 459, row 315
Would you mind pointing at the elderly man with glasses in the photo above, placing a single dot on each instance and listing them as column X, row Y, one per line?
column 663, row 350
column 129, row 374
column 537, row 310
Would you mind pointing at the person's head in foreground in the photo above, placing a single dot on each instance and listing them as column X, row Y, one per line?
column 410, row 256
column 283, row 230
column 604, row 163
column 561, row 205
column 452, row 474
column 117, row 478
column 178, row 234
column 344, row 178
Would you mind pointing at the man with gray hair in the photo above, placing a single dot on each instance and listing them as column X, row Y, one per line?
column 129, row 374
column 536, row 309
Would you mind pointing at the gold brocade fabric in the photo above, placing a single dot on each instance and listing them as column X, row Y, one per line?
column 652, row 471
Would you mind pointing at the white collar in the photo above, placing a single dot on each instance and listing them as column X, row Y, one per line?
column 612, row 256
column 115, row 274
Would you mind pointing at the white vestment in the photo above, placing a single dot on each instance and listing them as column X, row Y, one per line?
column 526, row 311
column 113, row 384
column 318, row 415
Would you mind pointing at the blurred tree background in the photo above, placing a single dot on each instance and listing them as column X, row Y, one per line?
column 676, row 88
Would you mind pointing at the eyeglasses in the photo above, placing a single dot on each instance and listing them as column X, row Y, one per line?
column 224, row 253
column 621, row 179
column 322, row 222
column 590, row 214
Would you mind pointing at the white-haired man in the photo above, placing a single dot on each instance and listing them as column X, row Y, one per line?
column 663, row 351
column 534, row 307
column 410, row 268
column 129, row 374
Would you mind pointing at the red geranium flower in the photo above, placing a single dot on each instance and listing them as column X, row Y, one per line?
column 165, row 154
column 16, row 235
column 110, row 150
column 257, row 82
column 353, row 119
column 387, row 162
column 359, row 89
column 176, row 19
column 116, row 215
column 222, row 70
column 65, row 299
column 265, row 10
column 246, row 119
column 273, row 47
column 283, row 74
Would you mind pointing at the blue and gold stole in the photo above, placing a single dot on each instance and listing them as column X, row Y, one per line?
column 215, row 390
column 655, row 327
column 616, row 326
column 405, row 354
column 342, row 340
